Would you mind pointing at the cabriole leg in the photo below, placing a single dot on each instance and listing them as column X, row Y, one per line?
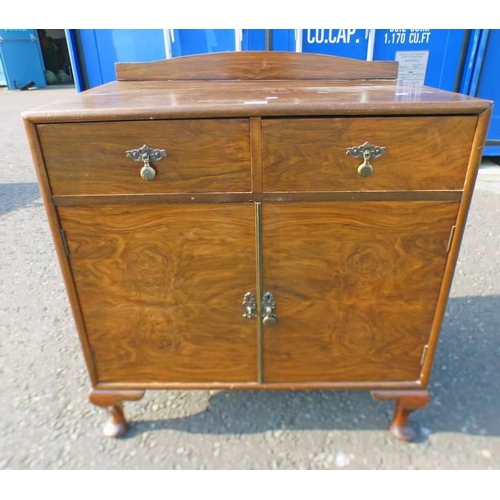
column 117, row 425
column 406, row 402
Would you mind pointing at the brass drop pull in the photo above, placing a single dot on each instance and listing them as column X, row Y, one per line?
column 249, row 305
column 366, row 152
column 268, row 307
column 147, row 154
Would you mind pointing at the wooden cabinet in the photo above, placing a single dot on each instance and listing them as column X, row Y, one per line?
column 258, row 220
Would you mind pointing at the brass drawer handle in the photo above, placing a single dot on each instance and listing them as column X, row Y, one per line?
column 268, row 307
column 249, row 305
column 366, row 152
column 147, row 154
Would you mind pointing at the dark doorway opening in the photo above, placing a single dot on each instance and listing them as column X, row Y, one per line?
column 55, row 57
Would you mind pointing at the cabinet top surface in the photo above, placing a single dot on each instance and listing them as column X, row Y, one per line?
column 182, row 99
column 254, row 84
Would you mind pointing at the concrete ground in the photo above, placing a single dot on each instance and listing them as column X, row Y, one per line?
column 47, row 423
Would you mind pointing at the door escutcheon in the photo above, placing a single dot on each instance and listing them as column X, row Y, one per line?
column 268, row 307
column 249, row 305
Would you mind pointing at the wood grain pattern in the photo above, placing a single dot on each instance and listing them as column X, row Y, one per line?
column 359, row 267
column 422, row 153
column 165, row 100
column 195, row 198
column 256, row 65
column 356, row 286
column 267, row 386
column 472, row 170
column 161, row 290
column 55, row 228
column 203, row 156
column 256, row 148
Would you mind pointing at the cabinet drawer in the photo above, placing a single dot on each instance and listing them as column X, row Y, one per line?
column 422, row 153
column 202, row 156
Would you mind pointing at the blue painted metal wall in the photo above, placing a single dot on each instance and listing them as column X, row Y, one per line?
column 445, row 48
column 254, row 40
column 445, row 52
column 21, row 58
column 338, row 42
column 284, row 40
column 200, row 41
column 100, row 49
column 96, row 51
column 481, row 79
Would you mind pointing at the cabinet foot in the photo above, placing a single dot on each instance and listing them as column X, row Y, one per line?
column 406, row 402
column 117, row 425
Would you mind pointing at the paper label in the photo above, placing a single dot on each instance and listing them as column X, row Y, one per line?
column 412, row 65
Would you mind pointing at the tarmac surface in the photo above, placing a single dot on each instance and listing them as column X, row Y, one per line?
column 46, row 421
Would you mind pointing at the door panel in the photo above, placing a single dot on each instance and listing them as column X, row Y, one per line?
column 356, row 286
column 161, row 290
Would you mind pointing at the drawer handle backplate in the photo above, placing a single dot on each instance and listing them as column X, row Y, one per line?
column 366, row 152
column 147, row 154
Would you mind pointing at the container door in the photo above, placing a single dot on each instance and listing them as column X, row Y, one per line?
column 254, row 39
column 484, row 83
column 21, row 58
column 101, row 49
column 337, row 42
column 200, row 41
column 426, row 56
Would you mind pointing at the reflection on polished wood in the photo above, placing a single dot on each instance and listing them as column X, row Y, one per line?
column 256, row 194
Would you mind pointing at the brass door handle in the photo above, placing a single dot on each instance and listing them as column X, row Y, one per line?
column 366, row 152
column 268, row 307
column 146, row 154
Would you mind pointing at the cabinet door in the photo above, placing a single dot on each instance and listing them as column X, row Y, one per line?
column 161, row 290
column 356, row 286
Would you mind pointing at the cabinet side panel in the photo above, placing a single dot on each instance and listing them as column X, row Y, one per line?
column 356, row 287
column 161, row 290
column 474, row 161
column 45, row 189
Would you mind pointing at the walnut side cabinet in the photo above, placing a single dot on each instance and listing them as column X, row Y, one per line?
column 258, row 220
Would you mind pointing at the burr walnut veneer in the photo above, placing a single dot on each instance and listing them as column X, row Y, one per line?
column 258, row 221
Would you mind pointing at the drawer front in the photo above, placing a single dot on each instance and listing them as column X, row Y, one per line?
column 202, row 156
column 422, row 153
